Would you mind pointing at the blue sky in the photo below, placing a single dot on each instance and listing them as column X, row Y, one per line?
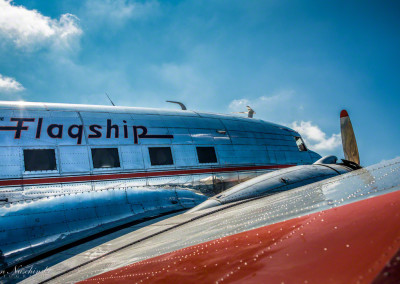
column 295, row 62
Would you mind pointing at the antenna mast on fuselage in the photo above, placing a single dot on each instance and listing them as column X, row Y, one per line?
column 183, row 107
column 110, row 99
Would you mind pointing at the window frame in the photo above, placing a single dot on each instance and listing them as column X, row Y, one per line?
column 302, row 143
column 198, row 156
column 160, row 147
column 56, row 170
column 105, row 168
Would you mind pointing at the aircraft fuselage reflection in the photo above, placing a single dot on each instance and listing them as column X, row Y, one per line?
column 70, row 171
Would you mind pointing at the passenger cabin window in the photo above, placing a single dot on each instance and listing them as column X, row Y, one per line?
column 105, row 158
column 206, row 155
column 300, row 144
column 160, row 156
column 40, row 160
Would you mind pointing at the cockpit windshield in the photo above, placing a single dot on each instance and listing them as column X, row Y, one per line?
column 300, row 144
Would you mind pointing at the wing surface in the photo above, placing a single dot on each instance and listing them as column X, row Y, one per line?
column 343, row 229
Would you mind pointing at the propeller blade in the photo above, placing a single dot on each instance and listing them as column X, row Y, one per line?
column 348, row 138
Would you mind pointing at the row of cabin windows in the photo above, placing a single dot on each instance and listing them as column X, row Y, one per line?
column 45, row 159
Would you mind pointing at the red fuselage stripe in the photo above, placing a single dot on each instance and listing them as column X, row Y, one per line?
column 134, row 175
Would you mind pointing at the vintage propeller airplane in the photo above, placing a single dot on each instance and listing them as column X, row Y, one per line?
column 71, row 172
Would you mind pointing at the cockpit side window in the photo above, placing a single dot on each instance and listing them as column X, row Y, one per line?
column 105, row 158
column 300, row 143
column 40, row 160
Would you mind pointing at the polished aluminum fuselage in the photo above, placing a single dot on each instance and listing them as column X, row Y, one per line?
column 43, row 210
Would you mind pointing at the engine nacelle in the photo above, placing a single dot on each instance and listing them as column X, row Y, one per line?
column 275, row 182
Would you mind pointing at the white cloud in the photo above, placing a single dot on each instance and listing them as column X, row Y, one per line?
column 8, row 84
column 315, row 138
column 263, row 102
column 239, row 104
column 28, row 28
column 120, row 10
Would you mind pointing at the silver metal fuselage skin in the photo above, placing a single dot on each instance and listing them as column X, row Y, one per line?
column 44, row 210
